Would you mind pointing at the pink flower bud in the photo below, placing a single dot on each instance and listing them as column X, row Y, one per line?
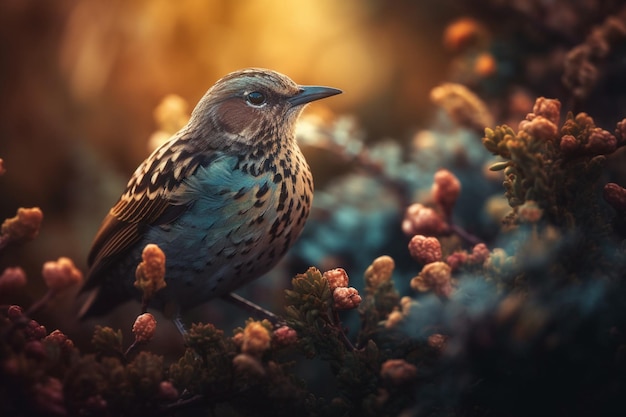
column 615, row 195
column 12, row 279
column 59, row 338
column 539, row 127
column 34, row 331
column 548, row 108
column 61, row 274
column 15, row 313
column 144, row 327
column 425, row 249
column 422, row 220
column 480, row 253
column 285, row 336
column 398, row 371
column 445, row 190
column 346, row 298
column 336, row 278
column 457, row 259
column 601, row 142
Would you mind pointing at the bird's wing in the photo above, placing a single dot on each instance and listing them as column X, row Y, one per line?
column 146, row 202
column 125, row 222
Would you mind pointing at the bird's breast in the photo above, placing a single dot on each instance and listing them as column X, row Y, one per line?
column 243, row 217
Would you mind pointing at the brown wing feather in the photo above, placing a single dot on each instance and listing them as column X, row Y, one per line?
column 122, row 228
column 126, row 221
column 119, row 230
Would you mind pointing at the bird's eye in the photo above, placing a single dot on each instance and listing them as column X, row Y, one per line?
column 255, row 98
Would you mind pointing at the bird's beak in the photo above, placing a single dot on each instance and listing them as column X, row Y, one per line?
column 309, row 93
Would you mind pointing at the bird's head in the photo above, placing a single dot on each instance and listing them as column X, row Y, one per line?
column 255, row 104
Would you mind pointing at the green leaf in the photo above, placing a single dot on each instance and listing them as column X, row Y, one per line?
column 499, row 166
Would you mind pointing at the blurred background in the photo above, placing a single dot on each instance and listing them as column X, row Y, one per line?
column 80, row 82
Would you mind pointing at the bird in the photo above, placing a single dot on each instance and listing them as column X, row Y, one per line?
column 224, row 198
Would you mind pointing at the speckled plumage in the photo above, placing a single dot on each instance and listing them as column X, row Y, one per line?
column 224, row 198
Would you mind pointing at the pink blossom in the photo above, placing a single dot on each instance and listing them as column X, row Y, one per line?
column 336, row 278
column 601, row 142
column 144, row 327
column 61, row 274
column 12, row 278
column 346, row 298
column 480, row 253
column 548, row 108
column 285, row 336
column 615, row 195
column 539, row 127
column 445, row 190
column 425, row 249
column 422, row 220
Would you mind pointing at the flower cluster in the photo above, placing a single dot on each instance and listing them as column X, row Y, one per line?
column 555, row 168
column 435, row 219
column 61, row 274
column 325, row 294
column 21, row 228
column 425, row 246
column 345, row 298
column 464, row 259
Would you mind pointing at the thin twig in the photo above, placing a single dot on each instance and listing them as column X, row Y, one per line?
column 187, row 402
column 39, row 304
column 342, row 333
column 464, row 234
column 254, row 309
column 131, row 348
